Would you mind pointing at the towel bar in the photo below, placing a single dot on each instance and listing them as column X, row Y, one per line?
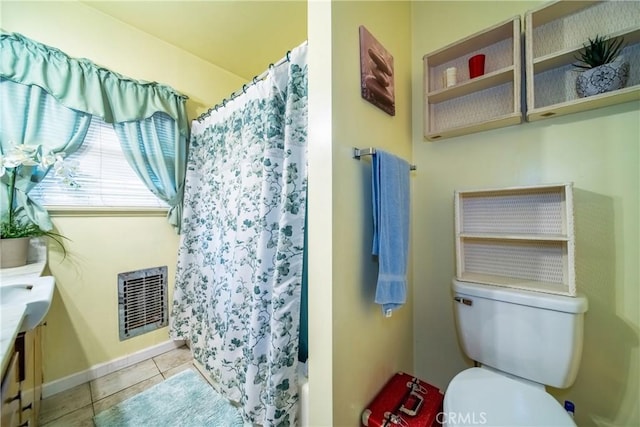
column 369, row 151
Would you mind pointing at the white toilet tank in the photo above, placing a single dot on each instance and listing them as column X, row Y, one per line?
column 531, row 335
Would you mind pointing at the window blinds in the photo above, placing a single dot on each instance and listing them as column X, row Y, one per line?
column 105, row 178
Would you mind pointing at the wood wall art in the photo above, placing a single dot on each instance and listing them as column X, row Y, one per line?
column 376, row 73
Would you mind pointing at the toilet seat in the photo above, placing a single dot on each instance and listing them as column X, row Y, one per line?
column 478, row 396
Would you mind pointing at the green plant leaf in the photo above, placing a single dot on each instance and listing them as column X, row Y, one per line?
column 598, row 51
column 12, row 230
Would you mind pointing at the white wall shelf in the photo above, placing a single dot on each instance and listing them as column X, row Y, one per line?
column 506, row 236
column 555, row 33
column 472, row 105
column 520, row 237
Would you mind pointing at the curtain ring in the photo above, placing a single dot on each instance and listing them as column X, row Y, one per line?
column 255, row 80
column 224, row 102
column 288, row 55
column 244, row 88
column 271, row 66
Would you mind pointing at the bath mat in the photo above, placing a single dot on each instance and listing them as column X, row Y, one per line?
column 184, row 399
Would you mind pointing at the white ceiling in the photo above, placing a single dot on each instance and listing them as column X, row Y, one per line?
column 241, row 36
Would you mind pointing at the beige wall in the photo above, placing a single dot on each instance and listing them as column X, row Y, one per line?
column 82, row 325
column 598, row 151
column 367, row 348
column 84, row 32
column 320, row 215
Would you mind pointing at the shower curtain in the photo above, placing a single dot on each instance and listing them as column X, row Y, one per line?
column 239, row 272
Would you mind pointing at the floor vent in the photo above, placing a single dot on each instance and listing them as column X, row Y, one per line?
column 142, row 301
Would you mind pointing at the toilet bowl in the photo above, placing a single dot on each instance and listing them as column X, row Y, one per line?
column 479, row 396
column 522, row 341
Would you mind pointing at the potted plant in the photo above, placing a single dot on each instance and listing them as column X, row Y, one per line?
column 16, row 229
column 601, row 67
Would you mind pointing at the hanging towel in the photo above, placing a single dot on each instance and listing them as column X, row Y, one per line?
column 390, row 185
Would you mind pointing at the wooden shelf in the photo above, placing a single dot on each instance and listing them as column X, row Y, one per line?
column 495, row 123
column 550, row 12
column 523, row 237
column 474, row 105
column 519, row 237
column 555, row 33
column 511, row 282
column 486, row 81
column 583, row 104
column 568, row 56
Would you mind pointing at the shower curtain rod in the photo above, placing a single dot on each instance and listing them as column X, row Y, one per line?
column 245, row 86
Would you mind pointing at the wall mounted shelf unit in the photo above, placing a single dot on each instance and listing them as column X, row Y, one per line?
column 519, row 237
column 555, row 33
column 472, row 105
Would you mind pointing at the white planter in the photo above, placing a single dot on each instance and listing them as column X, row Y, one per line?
column 604, row 78
column 13, row 252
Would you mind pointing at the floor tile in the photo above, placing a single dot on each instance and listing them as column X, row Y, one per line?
column 124, row 378
column 82, row 417
column 171, row 372
column 114, row 399
column 173, row 358
column 63, row 403
column 77, row 406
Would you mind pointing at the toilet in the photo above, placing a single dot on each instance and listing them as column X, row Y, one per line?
column 522, row 341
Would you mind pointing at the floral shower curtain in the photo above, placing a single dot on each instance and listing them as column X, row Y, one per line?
column 239, row 272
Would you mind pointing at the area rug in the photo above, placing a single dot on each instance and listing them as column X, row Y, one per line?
column 184, row 400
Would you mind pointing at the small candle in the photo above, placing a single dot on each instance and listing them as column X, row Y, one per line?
column 450, row 76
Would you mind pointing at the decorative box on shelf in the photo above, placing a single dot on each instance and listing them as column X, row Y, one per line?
column 519, row 237
column 468, row 105
column 554, row 35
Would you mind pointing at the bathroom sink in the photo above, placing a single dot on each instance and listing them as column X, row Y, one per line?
column 35, row 295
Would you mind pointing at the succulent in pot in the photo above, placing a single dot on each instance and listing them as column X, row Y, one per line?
column 602, row 69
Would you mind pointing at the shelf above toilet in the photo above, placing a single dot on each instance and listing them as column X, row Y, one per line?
column 520, row 237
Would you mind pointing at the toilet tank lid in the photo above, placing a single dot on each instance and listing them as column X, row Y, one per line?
column 566, row 304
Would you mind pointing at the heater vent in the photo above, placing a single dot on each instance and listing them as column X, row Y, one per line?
column 142, row 301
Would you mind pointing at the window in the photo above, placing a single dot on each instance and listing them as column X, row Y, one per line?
column 104, row 176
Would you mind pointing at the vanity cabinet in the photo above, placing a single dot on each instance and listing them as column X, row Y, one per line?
column 11, row 394
column 489, row 101
column 519, row 237
column 31, row 384
column 555, row 34
column 22, row 381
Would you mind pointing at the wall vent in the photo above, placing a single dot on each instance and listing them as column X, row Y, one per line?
column 142, row 301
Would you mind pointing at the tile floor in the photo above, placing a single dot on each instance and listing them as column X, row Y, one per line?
column 77, row 406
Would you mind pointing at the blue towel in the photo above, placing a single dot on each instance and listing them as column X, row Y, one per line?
column 390, row 185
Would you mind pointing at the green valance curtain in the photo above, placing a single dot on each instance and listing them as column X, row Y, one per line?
column 82, row 85
column 135, row 108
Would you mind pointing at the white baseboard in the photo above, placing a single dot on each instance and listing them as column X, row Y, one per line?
column 97, row 371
